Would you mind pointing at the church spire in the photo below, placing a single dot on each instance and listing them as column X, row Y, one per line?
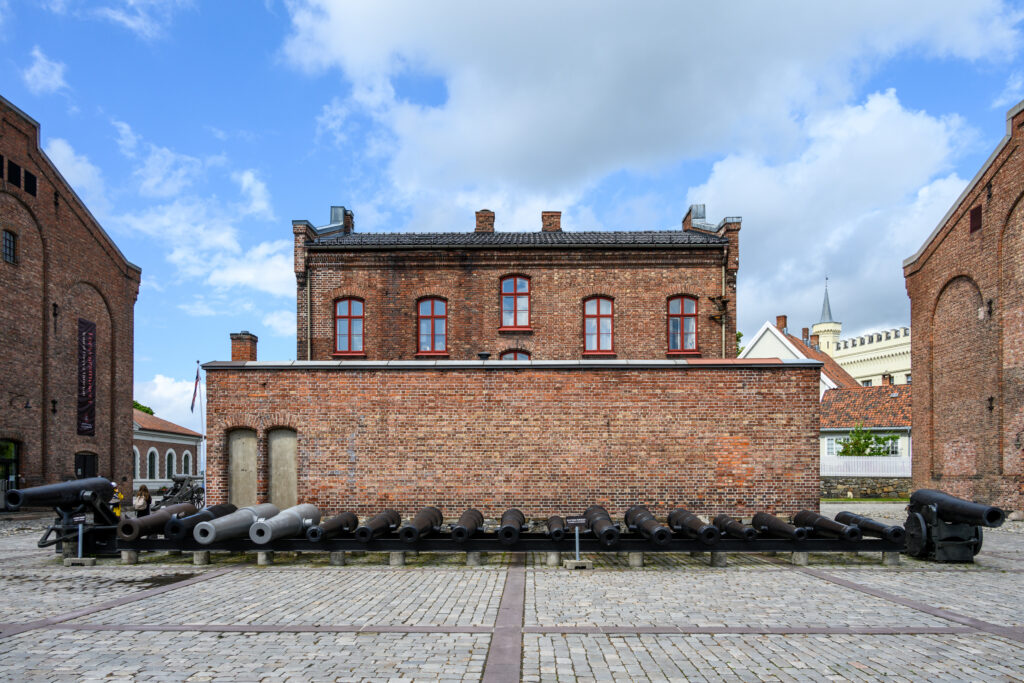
column 826, row 309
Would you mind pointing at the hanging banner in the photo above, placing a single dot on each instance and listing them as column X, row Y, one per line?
column 86, row 377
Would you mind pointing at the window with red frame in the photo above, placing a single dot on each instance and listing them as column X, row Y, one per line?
column 682, row 324
column 433, row 326
column 515, row 303
column 514, row 355
column 348, row 326
column 598, row 326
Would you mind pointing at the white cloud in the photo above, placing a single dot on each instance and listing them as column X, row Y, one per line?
column 127, row 139
column 171, row 399
column 267, row 267
column 81, row 174
column 1012, row 93
column 870, row 186
column 257, row 196
column 164, row 173
column 331, row 121
column 44, row 75
column 281, row 323
column 147, row 19
column 544, row 100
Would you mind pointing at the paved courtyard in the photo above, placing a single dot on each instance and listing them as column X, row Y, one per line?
column 759, row 619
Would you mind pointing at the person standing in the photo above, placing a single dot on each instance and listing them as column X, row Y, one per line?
column 142, row 501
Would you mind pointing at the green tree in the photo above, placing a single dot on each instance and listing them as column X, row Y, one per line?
column 862, row 442
column 139, row 406
column 739, row 338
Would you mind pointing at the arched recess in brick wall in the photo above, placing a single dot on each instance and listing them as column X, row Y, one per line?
column 1010, row 309
column 282, row 451
column 84, row 301
column 964, row 370
column 242, row 452
column 23, row 331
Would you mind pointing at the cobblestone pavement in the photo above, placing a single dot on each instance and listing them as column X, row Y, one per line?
column 843, row 617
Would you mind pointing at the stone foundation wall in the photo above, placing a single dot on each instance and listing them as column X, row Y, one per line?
column 866, row 487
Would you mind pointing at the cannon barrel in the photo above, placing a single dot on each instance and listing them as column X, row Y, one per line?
column 556, row 527
column 639, row 517
column 63, row 494
column 130, row 529
column 178, row 528
column 378, row 525
column 512, row 522
column 601, row 525
column 469, row 523
column 234, row 525
column 426, row 520
column 346, row 522
column 770, row 525
column 288, row 523
column 949, row 508
column 735, row 528
column 871, row 527
column 693, row 526
column 829, row 527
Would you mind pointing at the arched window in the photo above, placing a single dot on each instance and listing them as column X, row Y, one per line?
column 151, row 458
column 682, row 324
column 515, row 303
column 598, row 326
column 186, row 463
column 137, row 465
column 348, row 326
column 514, row 355
column 433, row 326
column 170, row 456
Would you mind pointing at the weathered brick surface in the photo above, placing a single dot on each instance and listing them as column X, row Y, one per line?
column 967, row 312
column 734, row 438
column 64, row 260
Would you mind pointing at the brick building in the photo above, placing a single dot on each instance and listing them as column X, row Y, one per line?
column 162, row 449
column 66, row 324
column 966, row 287
column 547, row 370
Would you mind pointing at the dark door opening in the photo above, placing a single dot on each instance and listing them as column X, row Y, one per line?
column 85, row 465
column 8, row 468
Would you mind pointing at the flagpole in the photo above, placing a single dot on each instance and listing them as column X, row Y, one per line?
column 202, row 429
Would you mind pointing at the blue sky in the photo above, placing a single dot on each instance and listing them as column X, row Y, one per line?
column 196, row 132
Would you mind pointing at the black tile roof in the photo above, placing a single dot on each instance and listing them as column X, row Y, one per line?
column 512, row 240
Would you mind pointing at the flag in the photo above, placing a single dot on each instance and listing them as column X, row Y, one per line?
column 195, row 391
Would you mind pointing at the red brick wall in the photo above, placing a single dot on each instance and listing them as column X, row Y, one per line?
column 967, row 312
column 640, row 282
column 64, row 259
column 736, row 438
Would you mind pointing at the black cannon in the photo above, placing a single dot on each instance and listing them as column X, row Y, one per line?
column 80, row 504
column 601, row 525
column 287, row 523
column 828, row 527
column 427, row 520
column 185, row 488
column 770, row 525
column 692, row 526
column 735, row 528
column 178, row 528
column 130, row 529
column 945, row 528
column 512, row 523
column 556, row 528
column 469, row 523
column 640, row 518
column 344, row 523
column 871, row 527
column 378, row 525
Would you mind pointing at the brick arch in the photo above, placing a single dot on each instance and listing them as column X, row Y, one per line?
column 1009, row 309
column 962, row 444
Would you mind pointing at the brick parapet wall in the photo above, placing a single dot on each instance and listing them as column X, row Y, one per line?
column 967, row 350
column 737, row 439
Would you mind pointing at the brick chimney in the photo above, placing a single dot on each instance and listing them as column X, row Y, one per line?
column 886, row 380
column 243, row 345
column 349, row 223
column 339, row 214
column 551, row 221
column 694, row 214
column 814, row 341
column 780, row 323
column 484, row 220
column 803, row 334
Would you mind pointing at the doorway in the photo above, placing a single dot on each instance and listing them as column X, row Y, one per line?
column 8, row 468
column 85, row 465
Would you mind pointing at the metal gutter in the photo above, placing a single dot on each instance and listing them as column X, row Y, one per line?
column 614, row 364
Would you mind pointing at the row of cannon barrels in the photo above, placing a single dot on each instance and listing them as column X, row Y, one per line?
column 265, row 523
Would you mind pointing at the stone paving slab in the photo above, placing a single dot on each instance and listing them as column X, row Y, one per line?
column 189, row 656
column 770, row 658
column 722, row 598
column 993, row 596
column 342, row 595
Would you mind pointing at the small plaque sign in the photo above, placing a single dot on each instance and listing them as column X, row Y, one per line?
column 576, row 522
column 78, row 519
